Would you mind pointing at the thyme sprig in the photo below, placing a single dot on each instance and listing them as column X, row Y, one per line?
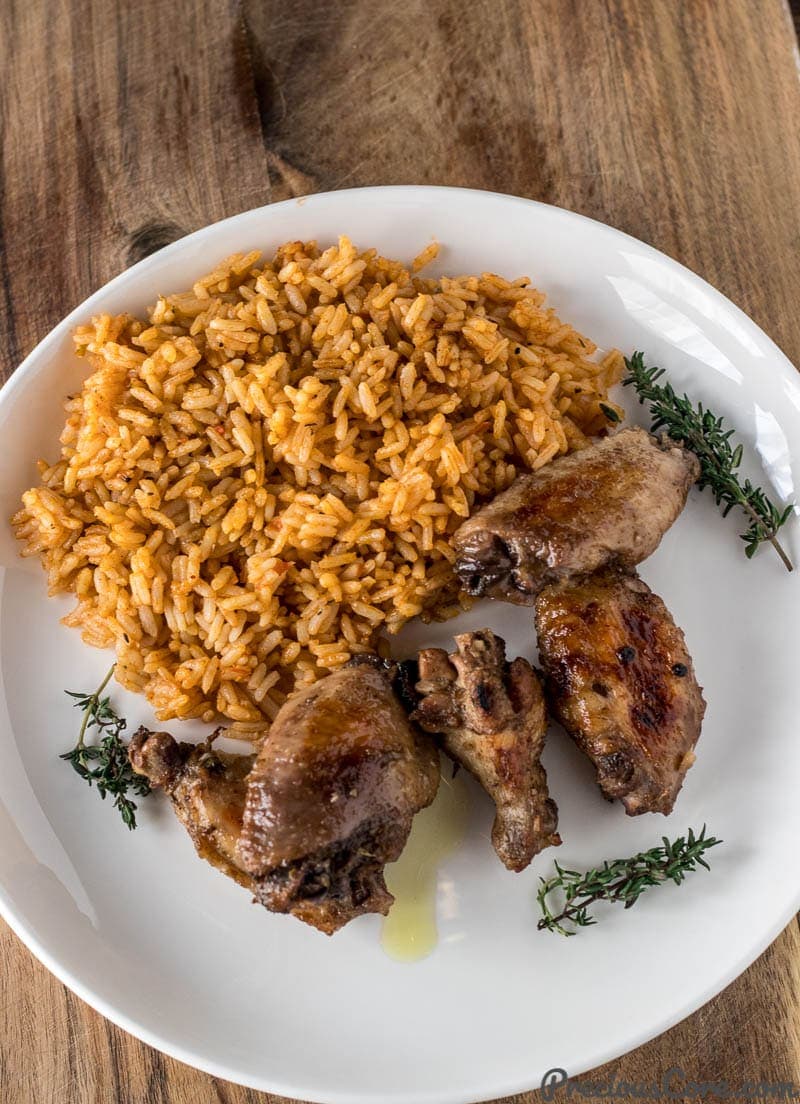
column 705, row 434
column 105, row 764
column 619, row 880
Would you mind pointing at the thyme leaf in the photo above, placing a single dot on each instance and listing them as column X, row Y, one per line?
column 711, row 441
column 105, row 764
column 620, row 880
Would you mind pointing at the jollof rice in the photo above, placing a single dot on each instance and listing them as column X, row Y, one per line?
column 265, row 475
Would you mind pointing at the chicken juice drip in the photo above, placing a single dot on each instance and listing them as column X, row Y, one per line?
column 410, row 932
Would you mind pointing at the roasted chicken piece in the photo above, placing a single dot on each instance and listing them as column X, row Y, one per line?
column 331, row 798
column 621, row 682
column 308, row 825
column 490, row 716
column 207, row 790
column 606, row 505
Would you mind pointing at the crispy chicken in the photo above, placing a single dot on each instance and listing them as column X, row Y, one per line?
column 331, row 798
column 621, row 682
column 607, row 505
column 490, row 716
column 307, row 825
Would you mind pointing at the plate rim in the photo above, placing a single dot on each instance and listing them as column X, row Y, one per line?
column 17, row 381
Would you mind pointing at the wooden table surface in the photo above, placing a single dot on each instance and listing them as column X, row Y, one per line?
column 127, row 124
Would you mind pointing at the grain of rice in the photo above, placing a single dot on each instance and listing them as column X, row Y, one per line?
column 430, row 253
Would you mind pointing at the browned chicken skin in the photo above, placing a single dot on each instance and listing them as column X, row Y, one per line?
column 307, row 825
column 491, row 719
column 207, row 790
column 621, row 682
column 607, row 505
column 331, row 798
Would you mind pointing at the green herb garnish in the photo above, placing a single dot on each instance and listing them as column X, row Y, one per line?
column 106, row 763
column 703, row 433
column 610, row 412
column 620, row 880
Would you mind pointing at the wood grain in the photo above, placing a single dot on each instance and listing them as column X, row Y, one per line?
column 126, row 125
column 114, row 146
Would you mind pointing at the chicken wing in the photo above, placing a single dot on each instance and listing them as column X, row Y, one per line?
column 621, row 682
column 207, row 790
column 308, row 825
column 331, row 798
column 491, row 718
column 609, row 504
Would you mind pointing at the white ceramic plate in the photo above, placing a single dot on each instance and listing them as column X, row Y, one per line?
column 174, row 953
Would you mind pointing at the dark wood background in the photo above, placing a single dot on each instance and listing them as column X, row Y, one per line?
column 127, row 123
